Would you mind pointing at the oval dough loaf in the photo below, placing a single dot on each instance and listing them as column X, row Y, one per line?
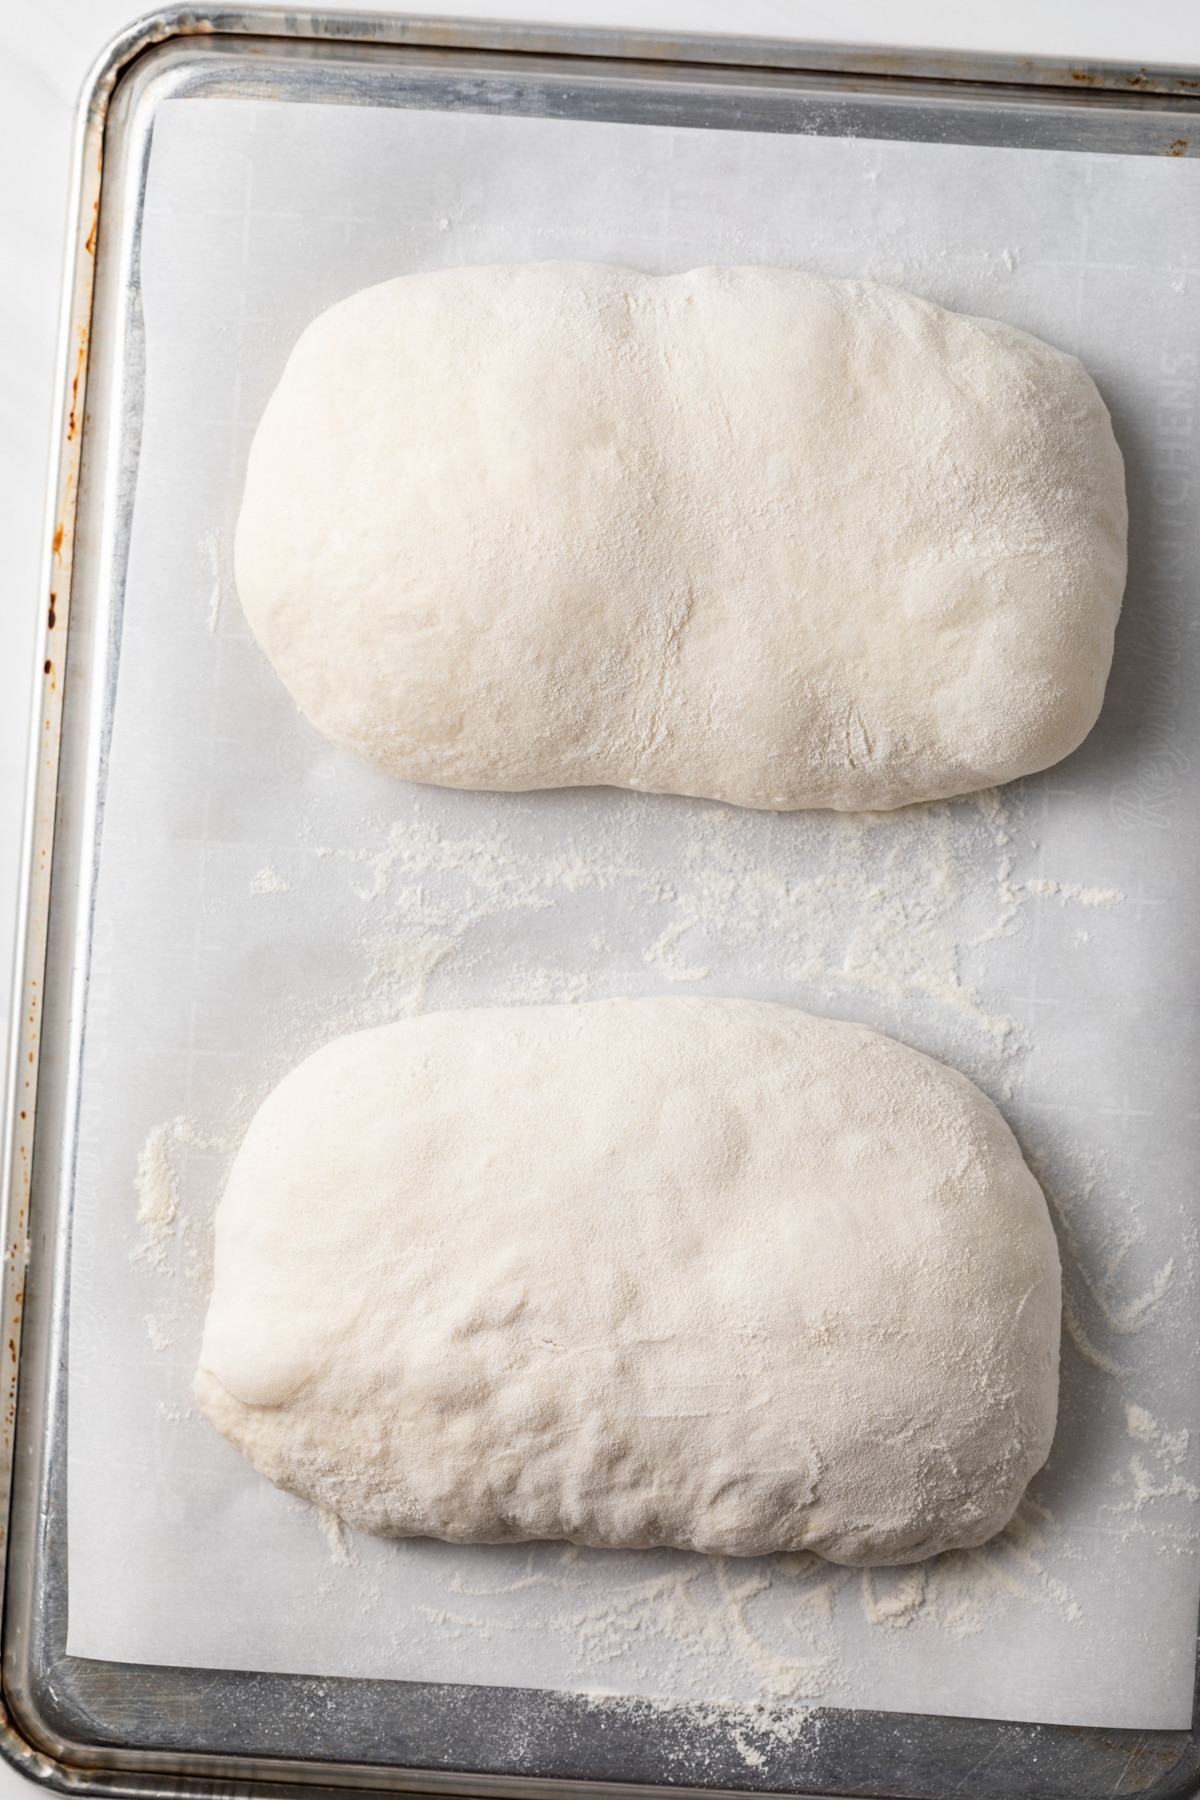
column 742, row 533
column 707, row 1273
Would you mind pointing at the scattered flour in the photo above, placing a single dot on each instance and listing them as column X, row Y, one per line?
column 714, row 1623
column 1145, row 1490
column 157, row 1187
column 664, row 952
column 894, row 907
column 757, row 1729
column 1140, row 1425
column 401, row 967
column 267, row 881
column 695, row 1614
column 1144, row 1429
column 156, row 1333
column 1096, row 1296
column 884, row 904
column 1062, row 891
column 336, row 1536
column 457, row 1624
column 960, row 1591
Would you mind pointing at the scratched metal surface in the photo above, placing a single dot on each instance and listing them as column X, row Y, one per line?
column 109, row 1727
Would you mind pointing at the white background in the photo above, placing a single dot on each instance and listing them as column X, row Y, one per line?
column 46, row 47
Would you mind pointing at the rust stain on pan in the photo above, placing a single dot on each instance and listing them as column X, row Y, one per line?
column 16, row 1250
column 80, row 360
column 1136, row 79
column 1177, row 147
column 60, row 543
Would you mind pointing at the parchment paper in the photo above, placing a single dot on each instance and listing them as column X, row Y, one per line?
column 260, row 892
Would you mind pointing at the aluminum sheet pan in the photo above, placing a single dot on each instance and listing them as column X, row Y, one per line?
column 258, row 892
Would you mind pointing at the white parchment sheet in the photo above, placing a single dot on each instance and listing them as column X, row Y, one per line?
column 260, row 892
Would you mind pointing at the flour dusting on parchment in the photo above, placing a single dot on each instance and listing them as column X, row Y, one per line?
column 887, row 905
column 157, row 1191
column 897, row 909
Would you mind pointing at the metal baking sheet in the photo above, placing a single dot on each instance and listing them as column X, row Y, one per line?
column 240, row 918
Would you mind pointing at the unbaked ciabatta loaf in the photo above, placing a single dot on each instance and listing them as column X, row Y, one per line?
column 707, row 1273
column 742, row 533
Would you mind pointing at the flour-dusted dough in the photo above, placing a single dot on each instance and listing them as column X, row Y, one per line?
column 742, row 533
column 709, row 1273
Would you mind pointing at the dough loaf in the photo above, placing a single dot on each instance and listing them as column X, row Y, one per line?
column 741, row 533
column 708, row 1273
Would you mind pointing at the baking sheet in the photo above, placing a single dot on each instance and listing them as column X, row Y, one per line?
column 259, row 892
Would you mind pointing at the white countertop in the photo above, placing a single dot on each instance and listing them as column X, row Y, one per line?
column 46, row 47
